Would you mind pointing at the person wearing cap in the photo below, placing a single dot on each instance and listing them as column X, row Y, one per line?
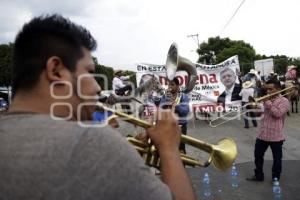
column 232, row 90
column 253, row 77
column 118, row 85
column 273, row 76
column 291, row 73
column 246, row 93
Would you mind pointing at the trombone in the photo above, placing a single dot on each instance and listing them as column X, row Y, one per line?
column 222, row 154
column 214, row 123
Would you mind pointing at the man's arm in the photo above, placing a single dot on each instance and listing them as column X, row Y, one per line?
column 166, row 137
column 277, row 109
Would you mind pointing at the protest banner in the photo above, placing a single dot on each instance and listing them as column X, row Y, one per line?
column 209, row 94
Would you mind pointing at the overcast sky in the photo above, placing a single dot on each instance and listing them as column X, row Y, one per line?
column 133, row 31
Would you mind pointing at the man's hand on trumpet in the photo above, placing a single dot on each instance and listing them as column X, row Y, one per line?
column 166, row 137
column 166, row 133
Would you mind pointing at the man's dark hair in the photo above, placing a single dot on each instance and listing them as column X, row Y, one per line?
column 276, row 83
column 176, row 81
column 41, row 38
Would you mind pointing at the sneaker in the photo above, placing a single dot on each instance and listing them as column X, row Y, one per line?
column 254, row 178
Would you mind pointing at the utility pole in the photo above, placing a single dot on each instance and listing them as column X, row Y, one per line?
column 197, row 38
column 193, row 36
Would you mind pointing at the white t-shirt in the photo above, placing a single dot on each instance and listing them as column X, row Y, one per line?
column 117, row 83
column 245, row 93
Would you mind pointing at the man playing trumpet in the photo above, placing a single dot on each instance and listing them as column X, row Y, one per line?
column 47, row 154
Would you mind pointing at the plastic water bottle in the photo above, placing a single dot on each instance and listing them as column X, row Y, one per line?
column 234, row 177
column 206, row 185
column 276, row 190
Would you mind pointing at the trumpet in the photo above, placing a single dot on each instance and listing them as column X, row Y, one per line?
column 222, row 154
column 224, row 118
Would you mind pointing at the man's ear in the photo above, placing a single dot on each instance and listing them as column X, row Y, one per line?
column 55, row 70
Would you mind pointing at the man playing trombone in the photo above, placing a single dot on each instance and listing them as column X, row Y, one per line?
column 271, row 131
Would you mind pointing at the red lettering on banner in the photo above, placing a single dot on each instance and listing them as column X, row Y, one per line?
column 201, row 79
column 206, row 79
column 213, row 78
column 206, row 108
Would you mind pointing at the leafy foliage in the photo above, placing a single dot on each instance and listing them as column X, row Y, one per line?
column 218, row 49
column 107, row 75
column 5, row 62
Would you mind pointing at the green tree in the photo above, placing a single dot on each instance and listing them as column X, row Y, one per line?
column 208, row 51
column 108, row 72
column 5, row 64
column 246, row 55
column 219, row 49
column 280, row 63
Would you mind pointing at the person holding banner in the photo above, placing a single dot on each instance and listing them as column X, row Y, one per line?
column 232, row 90
column 179, row 102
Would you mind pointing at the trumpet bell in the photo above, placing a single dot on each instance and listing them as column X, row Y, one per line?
column 224, row 153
